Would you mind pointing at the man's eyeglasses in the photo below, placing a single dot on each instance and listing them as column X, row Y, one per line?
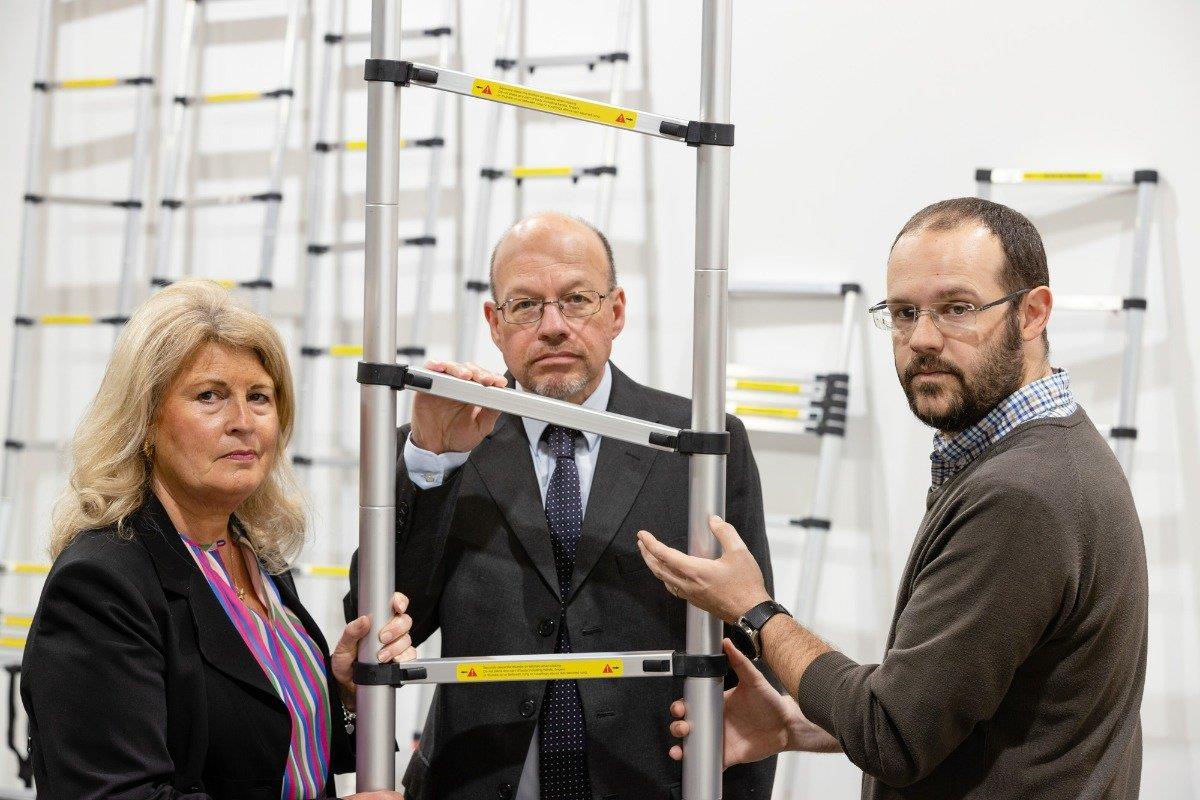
column 527, row 310
column 955, row 315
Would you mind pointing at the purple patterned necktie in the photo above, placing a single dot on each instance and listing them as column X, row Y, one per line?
column 563, row 735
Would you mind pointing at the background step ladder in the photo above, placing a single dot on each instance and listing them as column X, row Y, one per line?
column 181, row 146
column 1123, row 433
column 136, row 91
column 513, row 64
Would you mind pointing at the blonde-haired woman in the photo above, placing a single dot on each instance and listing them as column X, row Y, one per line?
column 170, row 656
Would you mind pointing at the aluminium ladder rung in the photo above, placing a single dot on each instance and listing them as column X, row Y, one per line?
column 561, row 105
column 589, row 60
column 93, row 83
column 70, row 200
column 520, row 174
column 534, row 667
column 35, row 445
column 333, row 462
column 24, row 567
column 221, row 200
column 792, row 521
column 1084, row 177
column 1098, row 302
column 407, row 34
column 228, row 283
column 360, row 145
column 355, row 351
column 219, row 98
column 358, row 247
column 797, row 290
column 66, row 320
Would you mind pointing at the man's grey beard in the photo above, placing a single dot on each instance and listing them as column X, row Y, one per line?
column 561, row 388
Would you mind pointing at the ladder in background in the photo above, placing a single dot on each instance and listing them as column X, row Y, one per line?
column 325, row 251
column 509, row 67
column 1133, row 305
column 180, row 150
column 129, row 203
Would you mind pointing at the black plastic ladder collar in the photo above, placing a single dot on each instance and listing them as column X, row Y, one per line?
column 386, row 674
column 395, row 376
column 691, row 443
column 401, row 73
column 697, row 133
column 684, row 665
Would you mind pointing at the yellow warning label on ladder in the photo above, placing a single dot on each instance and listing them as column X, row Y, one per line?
column 89, row 83
column 16, row 620
column 1083, row 177
column 766, row 386
column 232, row 97
column 767, row 411
column 13, row 642
column 559, row 104
column 541, row 172
column 328, row 571
column 539, row 670
column 344, row 350
column 66, row 319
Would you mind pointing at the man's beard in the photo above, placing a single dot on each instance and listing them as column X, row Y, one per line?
column 561, row 387
column 999, row 375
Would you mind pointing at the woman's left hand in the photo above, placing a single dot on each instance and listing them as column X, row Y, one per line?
column 397, row 646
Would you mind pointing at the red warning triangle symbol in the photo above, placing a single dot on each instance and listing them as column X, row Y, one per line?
column 621, row 118
column 487, row 89
column 608, row 669
column 472, row 673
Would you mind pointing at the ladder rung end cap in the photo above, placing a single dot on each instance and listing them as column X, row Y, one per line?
column 127, row 203
column 267, row 197
column 697, row 666
column 478, row 286
column 258, row 283
column 13, row 444
column 709, row 133
column 616, row 55
column 279, row 93
column 662, row 665
column 410, row 352
column 395, row 376
column 504, row 63
column 390, row 674
column 312, row 352
column 182, row 100
column 1134, row 302
column 435, row 32
column 605, row 170
column 829, row 430
column 983, row 175
column 33, row 198
column 302, row 461
column 171, row 203
column 421, row 241
column 847, row 288
column 160, row 282
column 1123, row 433
column 26, row 321
column 324, row 147
column 433, row 141
column 113, row 320
column 318, row 249
column 41, row 86
column 812, row 522
column 383, row 70
column 688, row 442
column 1145, row 176
column 140, row 80
column 491, row 174
column 333, row 38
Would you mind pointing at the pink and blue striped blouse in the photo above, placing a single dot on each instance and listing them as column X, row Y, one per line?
column 291, row 661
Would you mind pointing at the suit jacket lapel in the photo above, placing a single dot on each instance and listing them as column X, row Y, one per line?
column 621, row 469
column 506, row 467
column 219, row 641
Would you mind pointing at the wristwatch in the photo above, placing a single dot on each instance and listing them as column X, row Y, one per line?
column 746, row 633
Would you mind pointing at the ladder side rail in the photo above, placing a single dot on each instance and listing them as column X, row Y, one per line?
column 178, row 144
column 132, row 240
column 616, row 95
column 1134, row 324
column 314, row 220
column 283, row 117
column 475, row 270
column 702, row 760
column 376, row 705
column 415, row 349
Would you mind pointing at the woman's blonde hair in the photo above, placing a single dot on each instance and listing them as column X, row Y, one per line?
column 111, row 471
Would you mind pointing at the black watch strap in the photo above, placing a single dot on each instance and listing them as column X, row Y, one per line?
column 761, row 613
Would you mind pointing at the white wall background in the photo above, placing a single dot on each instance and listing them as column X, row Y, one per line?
column 850, row 117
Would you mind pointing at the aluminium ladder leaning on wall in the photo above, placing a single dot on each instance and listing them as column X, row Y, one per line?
column 36, row 233
column 703, row 665
column 1124, row 432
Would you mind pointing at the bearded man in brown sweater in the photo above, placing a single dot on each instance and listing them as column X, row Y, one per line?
column 1017, row 653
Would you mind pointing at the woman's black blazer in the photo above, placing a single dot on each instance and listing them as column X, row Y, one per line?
column 138, row 687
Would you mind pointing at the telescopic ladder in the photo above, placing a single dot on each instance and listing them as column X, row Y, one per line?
column 1124, row 432
column 702, row 665
column 138, row 91
column 180, row 149
column 510, row 66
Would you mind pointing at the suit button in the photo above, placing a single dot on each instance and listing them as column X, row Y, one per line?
column 546, row 627
column 527, row 708
column 505, row 791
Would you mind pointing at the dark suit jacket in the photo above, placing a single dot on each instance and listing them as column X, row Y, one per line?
column 137, row 685
column 474, row 556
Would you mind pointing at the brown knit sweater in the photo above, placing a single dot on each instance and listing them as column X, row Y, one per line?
column 1017, row 653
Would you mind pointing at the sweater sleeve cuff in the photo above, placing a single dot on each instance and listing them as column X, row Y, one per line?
column 818, row 687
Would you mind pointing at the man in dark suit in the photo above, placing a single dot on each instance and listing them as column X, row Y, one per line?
column 517, row 537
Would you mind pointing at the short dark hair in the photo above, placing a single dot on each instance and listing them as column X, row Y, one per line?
column 1025, row 265
column 608, row 255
